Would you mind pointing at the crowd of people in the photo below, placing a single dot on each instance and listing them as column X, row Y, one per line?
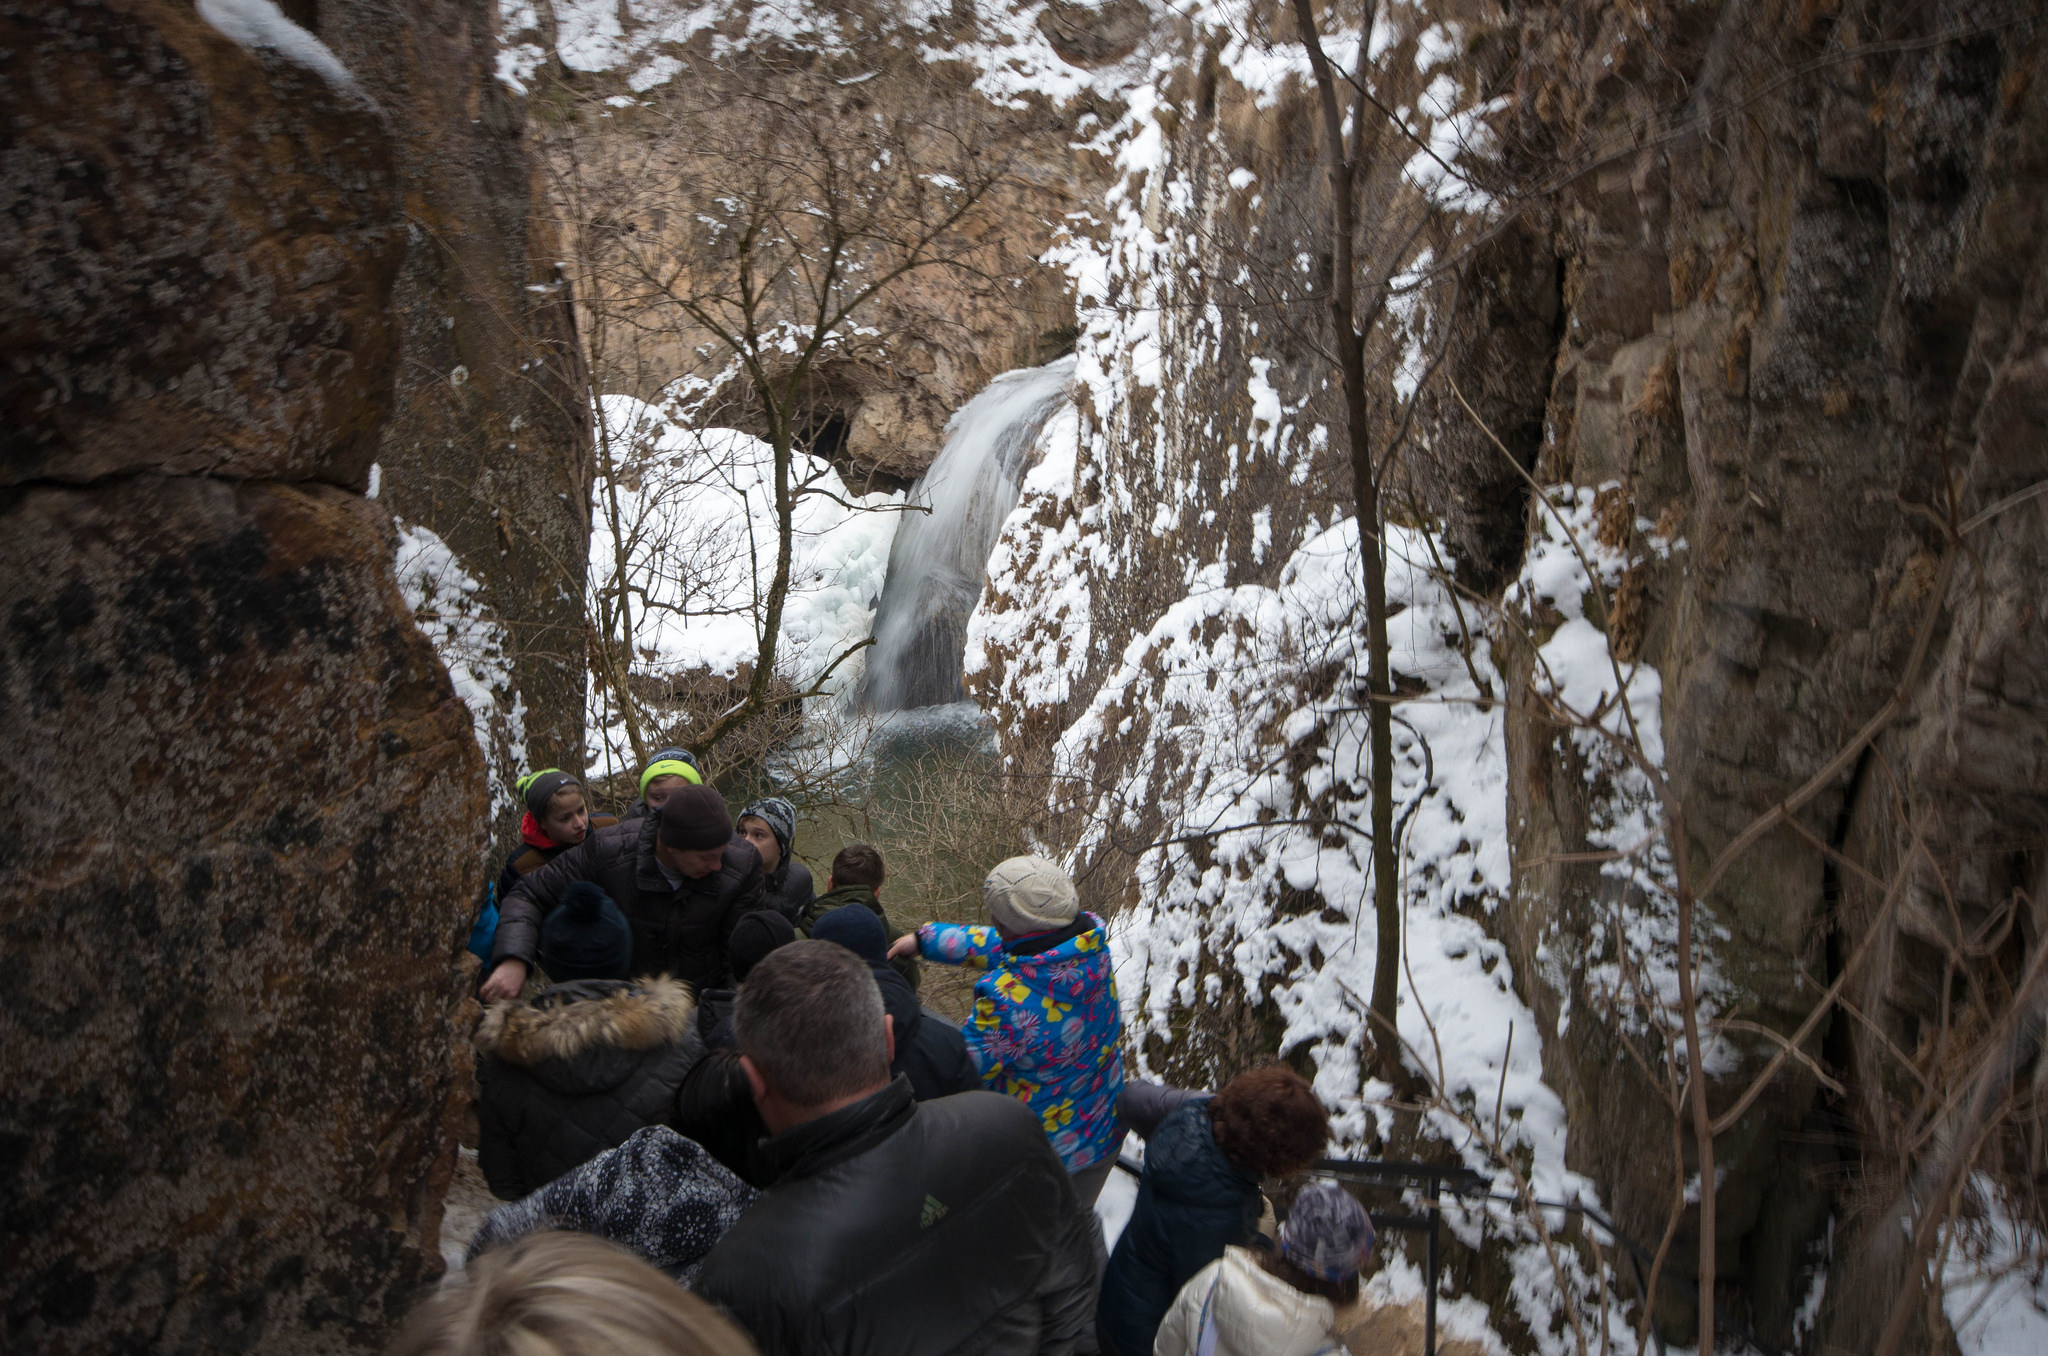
column 723, row 1120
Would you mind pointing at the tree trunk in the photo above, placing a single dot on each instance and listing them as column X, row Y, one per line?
column 1342, row 171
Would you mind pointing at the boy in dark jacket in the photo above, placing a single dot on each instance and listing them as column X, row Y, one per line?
column 575, row 1071
column 930, row 1050
column 770, row 825
column 680, row 877
column 857, row 876
column 1204, row 1159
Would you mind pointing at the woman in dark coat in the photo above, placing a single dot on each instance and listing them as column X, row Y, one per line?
column 574, row 1071
column 1204, row 1159
column 770, row 825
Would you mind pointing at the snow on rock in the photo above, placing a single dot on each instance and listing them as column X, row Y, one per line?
column 602, row 35
column 260, row 26
column 1614, row 715
column 1013, row 60
column 690, row 523
column 446, row 606
column 1994, row 1284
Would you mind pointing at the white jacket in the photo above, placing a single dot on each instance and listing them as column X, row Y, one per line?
column 1253, row 1312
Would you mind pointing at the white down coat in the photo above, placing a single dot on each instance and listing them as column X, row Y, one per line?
column 1253, row 1313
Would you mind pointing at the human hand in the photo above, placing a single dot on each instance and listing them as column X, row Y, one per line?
column 505, row 982
column 906, row 945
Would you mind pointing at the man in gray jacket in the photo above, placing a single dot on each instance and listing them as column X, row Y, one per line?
column 892, row 1226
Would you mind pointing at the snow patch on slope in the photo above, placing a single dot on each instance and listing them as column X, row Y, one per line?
column 690, row 520
column 448, row 609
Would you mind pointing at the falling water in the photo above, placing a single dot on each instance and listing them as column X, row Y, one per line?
column 939, row 559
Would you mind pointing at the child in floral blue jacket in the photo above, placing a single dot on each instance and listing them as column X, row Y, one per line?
column 1046, row 1027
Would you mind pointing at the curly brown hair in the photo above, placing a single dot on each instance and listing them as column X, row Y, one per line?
column 1268, row 1122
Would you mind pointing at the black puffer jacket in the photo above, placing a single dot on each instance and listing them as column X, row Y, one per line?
column 790, row 889
column 906, row 1228
column 930, row 1050
column 574, row 1071
column 678, row 930
column 526, row 859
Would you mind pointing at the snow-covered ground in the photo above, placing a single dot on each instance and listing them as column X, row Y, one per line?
column 690, row 526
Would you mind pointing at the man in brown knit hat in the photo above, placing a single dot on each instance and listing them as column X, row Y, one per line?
column 681, row 877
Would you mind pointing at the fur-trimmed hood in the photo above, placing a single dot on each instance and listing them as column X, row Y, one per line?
column 570, row 1020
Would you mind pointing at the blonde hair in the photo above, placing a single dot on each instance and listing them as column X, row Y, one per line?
column 566, row 1294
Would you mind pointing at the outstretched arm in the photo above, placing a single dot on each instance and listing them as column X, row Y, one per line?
column 1142, row 1106
column 977, row 948
column 519, row 920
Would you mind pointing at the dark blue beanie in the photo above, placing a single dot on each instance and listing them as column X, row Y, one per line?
column 754, row 936
column 857, row 928
column 586, row 937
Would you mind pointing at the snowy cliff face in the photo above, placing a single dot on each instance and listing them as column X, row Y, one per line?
column 242, row 840
column 1045, row 75
column 1754, row 296
column 1173, row 632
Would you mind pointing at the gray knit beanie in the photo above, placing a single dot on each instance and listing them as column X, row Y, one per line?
column 780, row 817
column 1030, row 894
column 1327, row 1233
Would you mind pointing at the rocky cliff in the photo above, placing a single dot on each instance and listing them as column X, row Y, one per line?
column 244, row 828
column 1752, row 293
column 1800, row 330
column 488, row 444
column 630, row 97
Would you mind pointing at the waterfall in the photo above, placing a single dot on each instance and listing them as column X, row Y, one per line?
column 939, row 560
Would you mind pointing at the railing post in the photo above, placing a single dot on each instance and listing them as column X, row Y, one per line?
column 1436, row 1202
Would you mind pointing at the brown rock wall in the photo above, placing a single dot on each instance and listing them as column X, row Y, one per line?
column 222, row 314
column 243, row 837
column 489, row 439
column 228, row 920
column 1802, row 331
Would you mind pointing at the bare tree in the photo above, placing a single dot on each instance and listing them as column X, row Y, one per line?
column 741, row 244
column 1362, row 272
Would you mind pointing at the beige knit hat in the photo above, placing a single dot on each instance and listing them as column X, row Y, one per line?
column 1029, row 894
